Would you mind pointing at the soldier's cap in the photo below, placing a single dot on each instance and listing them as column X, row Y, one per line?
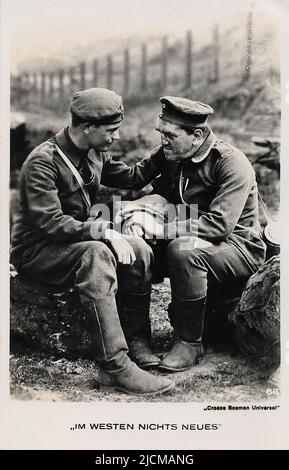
column 98, row 106
column 184, row 112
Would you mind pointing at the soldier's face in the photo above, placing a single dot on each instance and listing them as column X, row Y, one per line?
column 101, row 137
column 176, row 142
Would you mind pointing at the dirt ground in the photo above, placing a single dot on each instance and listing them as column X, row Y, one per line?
column 220, row 376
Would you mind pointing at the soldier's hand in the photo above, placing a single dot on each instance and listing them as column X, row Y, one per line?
column 132, row 231
column 125, row 212
column 120, row 246
column 149, row 225
column 154, row 230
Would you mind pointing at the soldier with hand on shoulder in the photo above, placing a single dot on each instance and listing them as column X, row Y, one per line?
column 56, row 241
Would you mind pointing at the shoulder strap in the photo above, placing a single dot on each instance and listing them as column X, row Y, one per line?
column 76, row 174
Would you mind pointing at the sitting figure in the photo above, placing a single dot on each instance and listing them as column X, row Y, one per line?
column 214, row 238
column 57, row 240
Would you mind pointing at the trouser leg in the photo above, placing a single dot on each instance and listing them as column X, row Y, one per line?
column 91, row 267
column 192, row 271
column 134, row 303
column 135, row 290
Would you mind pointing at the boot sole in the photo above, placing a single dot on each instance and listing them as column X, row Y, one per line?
column 179, row 369
column 106, row 381
column 148, row 365
column 144, row 394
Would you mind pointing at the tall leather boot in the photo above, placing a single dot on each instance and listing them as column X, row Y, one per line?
column 116, row 368
column 187, row 318
column 134, row 317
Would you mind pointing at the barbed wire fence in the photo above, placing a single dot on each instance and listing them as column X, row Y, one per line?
column 229, row 57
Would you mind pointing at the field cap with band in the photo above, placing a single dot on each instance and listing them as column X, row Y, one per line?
column 98, row 106
column 184, row 112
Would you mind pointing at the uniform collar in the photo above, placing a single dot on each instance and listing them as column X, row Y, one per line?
column 204, row 150
column 75, row 154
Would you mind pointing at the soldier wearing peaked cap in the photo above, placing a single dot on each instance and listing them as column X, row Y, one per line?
column 220, row 246
column 55, row 240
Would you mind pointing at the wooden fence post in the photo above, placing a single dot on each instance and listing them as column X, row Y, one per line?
column 60, row 79
column 94, row 73
column 34, row 84
column 71, row 76
column 109, row 72
column 82, row 67
column 164, row 63
column 216, row 53
column 30, row 81
column 249, row 45
column 126, row 72
column 43, row 87
column 189, row 60
column 143, row 82
column 51, row 85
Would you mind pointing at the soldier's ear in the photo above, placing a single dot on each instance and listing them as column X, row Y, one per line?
column 86, row 126
column 198, row 133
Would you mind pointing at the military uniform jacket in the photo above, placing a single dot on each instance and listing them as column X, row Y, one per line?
column 52, row 205
column 220, row 180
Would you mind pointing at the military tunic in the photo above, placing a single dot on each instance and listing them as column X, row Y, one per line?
column 220, row 180
column 52, row 238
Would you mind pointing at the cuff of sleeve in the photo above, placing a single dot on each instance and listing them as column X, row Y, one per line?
column 95, row 230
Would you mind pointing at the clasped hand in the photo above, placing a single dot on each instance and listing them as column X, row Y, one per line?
column 139, row 223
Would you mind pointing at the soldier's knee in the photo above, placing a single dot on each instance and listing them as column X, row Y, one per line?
column 99, row 253
column 179, row 249
column 181, row 252
column 96, row 276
